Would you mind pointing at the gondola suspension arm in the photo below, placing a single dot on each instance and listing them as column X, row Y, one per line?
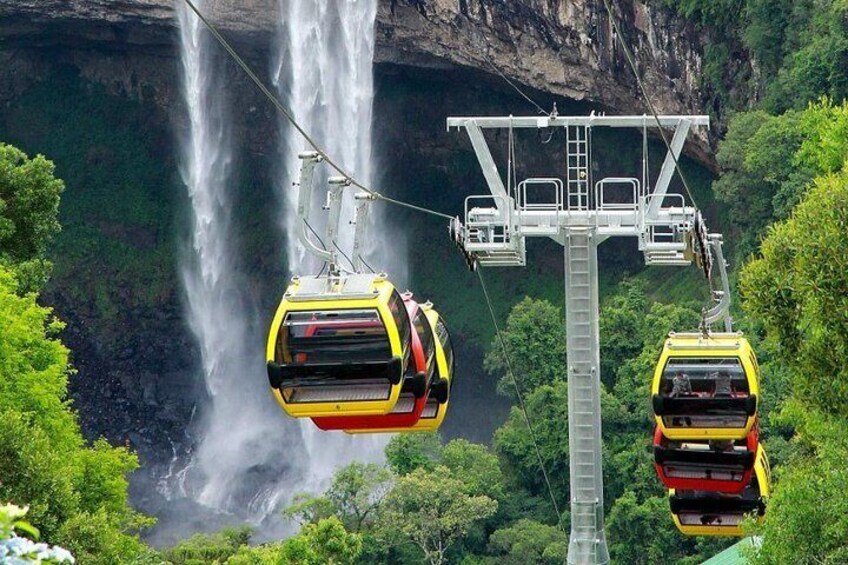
column 308, row 161
column 360, row 220
column 334, row 207
column 721, row 310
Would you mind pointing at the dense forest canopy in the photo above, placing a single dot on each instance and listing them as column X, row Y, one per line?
column 783, row 192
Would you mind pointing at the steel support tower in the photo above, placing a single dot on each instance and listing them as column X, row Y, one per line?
column 580, row 215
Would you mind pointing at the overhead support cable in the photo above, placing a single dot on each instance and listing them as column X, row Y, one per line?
column 290, row 118
column 629, row 56
column 515, row 86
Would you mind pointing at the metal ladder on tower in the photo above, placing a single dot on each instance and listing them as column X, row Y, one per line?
column 577, row 167
column 588, row 542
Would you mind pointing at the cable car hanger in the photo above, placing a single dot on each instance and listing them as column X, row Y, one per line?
column 332, row 204
column 704, row 246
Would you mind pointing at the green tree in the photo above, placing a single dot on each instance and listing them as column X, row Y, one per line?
column 530, row 542
column 77, row 494
column 475, row 466
column 641, row 533
column 547, row 407
column 324, row 543
column 757, row 162
column 433, row 510
column 807, row 516
column 408, row 452
column 535, row 340
column 34, row 368
column 815, row 64
column 799, row 289
column 622, row 324
column 354, row 497
column 202, row 549
column 29, row 207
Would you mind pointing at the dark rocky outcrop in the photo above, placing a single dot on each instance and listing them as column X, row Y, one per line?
column 563, row 47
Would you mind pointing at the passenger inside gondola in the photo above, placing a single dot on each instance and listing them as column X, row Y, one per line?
column 681, row 385
column 704, row 378
column 723, row 384
column 692, row 380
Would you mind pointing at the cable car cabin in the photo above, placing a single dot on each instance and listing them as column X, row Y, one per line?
column 702, row 513
column 421, row 375
column 706, row 387
column 714, row 465
column 339, row 345
column 436, row 406
column 439, row 398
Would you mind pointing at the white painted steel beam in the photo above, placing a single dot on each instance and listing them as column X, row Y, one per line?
column 565, row 121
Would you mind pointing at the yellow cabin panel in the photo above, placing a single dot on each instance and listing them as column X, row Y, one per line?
column 334, row 397
column 723, row 387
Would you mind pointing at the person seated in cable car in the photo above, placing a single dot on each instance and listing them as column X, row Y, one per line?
column 438, row 397
column 723, row 386
column 339, row 345
column 706, row 387
column 713, row 465
column 422, row 376
column 707, row 513
column 681, row 385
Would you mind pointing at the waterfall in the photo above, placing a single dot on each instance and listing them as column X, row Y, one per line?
column 324, row 71
column 240, row 462
column 250, row 460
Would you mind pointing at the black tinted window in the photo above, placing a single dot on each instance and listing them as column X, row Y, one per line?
column 445, row 340
column 398, row 310
column 333, row 336
column 422, row 328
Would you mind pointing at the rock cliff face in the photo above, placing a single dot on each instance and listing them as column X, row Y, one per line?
column 561, row 47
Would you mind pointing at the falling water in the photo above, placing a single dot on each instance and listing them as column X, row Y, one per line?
column 325, row 72
column 239, row 461
column 243, row 463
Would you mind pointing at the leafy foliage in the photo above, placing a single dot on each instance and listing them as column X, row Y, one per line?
column 547, row 407
column 77, row 494
column 209, row 548
column 799, row 289
column 354, row 497
column 433, row 510
column 407, row 452
column 808, row 515
column 530, row 542
column 326, row 542
column 29, row 209
column 796, row 288
column 535, row 341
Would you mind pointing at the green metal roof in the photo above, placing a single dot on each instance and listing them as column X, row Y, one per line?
column 733, row 555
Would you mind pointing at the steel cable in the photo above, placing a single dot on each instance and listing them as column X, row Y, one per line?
column 290, row 118
column 522, row 405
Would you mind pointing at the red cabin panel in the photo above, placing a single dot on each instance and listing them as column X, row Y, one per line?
column 724, row 467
